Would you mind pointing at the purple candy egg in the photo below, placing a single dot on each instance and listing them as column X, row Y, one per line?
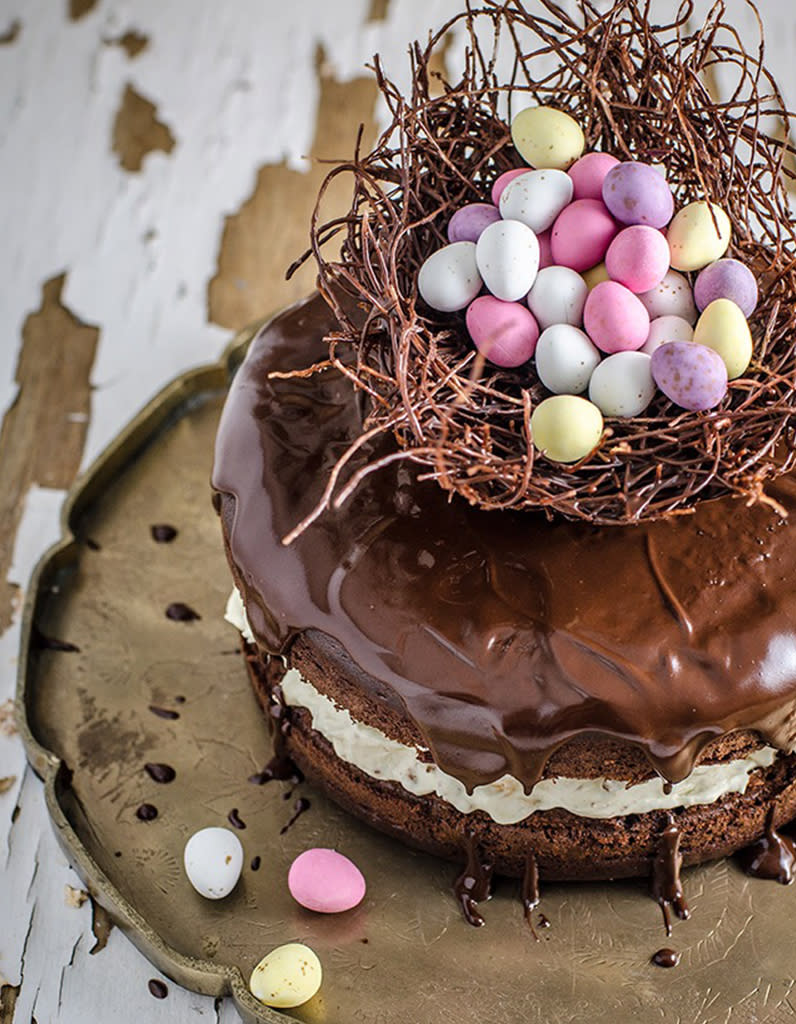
column 637, row 193
column 504, row 332
column 727, row 279
column 690, row 375
column 467, row 223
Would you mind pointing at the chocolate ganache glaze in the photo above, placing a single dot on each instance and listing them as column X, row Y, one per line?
column 500, row 634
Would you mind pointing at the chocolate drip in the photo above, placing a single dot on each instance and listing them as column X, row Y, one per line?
column 146, row 812
column 179, row 612
column 299, row 807
column 665, row 958
column 164, row 712
column 157, row 988
column 160, row 772
column 508, row 609
column 530, row 890
column 474, row 884
column 773, row 855
column 280, row 766
column 543, row 921
column 235, row 819
column 665, row 884
column 162, row 533
column 255, row 864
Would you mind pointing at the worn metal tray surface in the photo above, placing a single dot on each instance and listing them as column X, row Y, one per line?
column 405, row 955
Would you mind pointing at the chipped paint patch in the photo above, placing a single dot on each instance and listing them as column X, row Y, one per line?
column 137, row 132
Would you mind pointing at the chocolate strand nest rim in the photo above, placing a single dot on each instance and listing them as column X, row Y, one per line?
column 639, row 92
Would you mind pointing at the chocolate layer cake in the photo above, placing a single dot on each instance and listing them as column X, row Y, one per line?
column 457, row 677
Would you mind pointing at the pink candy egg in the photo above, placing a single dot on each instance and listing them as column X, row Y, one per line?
column 581, row 234
column 545, row 250
column 588, row 174
column 469, row 221
column 638, row 258
column 615, row 319
column 503, row 180
column 325, row 881
column 504, row 332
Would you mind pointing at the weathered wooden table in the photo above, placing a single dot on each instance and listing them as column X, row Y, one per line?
column 159, row 164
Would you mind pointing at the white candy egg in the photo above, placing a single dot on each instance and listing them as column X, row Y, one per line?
column 536, row 198
column 449, row 278
column 622, row 384
column 507, row 255
column 672, row 297
column 558, row 297
column 213, row 862
column 565, row 359
column 667, row 328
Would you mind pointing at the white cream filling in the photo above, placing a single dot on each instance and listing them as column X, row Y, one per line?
column 504, row 800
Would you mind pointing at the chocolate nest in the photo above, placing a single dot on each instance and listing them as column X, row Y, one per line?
column 640, row 91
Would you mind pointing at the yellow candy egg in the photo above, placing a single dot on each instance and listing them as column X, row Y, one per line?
column 724, row 328
column 696, row 238
column 288, row 976
column 566, row 428
column 547, row 138
column 595, row 276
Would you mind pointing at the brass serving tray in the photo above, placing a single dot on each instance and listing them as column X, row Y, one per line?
column 405, row 956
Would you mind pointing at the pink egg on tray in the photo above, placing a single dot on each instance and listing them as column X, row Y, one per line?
column 325, row 881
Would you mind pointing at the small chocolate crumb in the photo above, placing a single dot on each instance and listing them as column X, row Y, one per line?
column 157, row 988
column 118, row 853
column 179, row 700
column 160, row 772
column 162, row 533
column 256, row 862
column 179, row 612
column 147, row 812
column 543, row 921
column 665, row 958
column 163, row 712
column 235, row 819
column 93, row 545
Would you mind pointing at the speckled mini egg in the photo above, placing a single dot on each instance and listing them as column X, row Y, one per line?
column 449, row 279
column 505, row 333
column 545, row 137
column 615, row 319
column 469, row 221
column 502, row 181
column 622, row 385
column 588, row 174
column 213, row 860
column 507, row 257
column 636, row 193
column 582, row 233
column 727, row 279
column 536, row 198
column 724, row 328
column 557, row 297
column 690, row 375
column 288, row 976
column 565, row 428
column 699, row 234
column 325, row 881
column 565, row 359
column 672, row 297
column 667, row 328
column 638, row 258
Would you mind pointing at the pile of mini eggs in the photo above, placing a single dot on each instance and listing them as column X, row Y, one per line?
column 580, row 265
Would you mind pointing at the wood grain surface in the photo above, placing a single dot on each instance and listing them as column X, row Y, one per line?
column 159, row 165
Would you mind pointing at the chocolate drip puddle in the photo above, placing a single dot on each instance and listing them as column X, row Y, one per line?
column 665, row 884
column 474, row 884
column 772, row 857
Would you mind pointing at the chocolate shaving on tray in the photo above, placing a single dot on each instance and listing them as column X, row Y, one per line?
column 639, row 92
